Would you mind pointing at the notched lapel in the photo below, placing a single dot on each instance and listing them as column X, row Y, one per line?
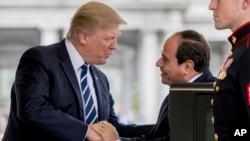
column 101, row 94
column 67, row 67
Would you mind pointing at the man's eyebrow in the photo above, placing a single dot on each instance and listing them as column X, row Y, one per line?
column 163, row 55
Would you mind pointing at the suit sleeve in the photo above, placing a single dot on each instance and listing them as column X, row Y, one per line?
column 244, row 80
column 35, row 107
column 124, row 130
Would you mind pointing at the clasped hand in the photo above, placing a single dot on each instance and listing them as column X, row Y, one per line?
column 102, row 131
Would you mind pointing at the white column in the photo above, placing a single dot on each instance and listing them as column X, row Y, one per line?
column 49, row 35
column 147, row 81
column 128, row 85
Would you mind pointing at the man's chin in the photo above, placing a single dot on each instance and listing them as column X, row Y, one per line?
column 102, row 62
column 165, row 82
column 219, row 27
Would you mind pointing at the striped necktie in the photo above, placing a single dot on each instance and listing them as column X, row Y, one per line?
column 90, row 109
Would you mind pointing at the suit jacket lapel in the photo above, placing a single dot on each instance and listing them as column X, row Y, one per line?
column 98, row 91
column 163, row 110
column 100, row 94
column 70, row 73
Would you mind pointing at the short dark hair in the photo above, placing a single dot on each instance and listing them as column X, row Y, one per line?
column 193, row 46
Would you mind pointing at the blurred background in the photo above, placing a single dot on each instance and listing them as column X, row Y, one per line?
column 135, row 80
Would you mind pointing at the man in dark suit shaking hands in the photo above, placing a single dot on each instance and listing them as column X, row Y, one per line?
column 47, row 97
column 185, row 58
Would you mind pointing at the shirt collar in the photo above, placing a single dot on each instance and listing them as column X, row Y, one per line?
column 236, row 37
column 195, row 77
column 75, row 57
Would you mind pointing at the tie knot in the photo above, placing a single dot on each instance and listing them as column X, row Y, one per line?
column 84, row 68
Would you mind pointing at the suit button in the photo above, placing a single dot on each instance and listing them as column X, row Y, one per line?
column 212, row 119
column 214, row 84
column 217, row 88
column 212, row 102
column 216, row 138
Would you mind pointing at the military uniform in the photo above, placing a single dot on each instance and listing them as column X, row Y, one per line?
column 232, row 90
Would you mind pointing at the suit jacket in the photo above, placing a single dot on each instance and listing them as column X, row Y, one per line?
column 160, row 131
column 46, row 101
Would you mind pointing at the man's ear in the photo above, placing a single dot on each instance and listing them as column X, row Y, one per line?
column 82, row 38
column 189, row 65
column 246, row 4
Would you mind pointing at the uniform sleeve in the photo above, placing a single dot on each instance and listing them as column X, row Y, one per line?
column 244, row 80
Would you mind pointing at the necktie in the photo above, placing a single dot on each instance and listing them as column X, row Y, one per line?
column 90, row 109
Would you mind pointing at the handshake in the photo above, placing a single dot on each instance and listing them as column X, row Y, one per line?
column 102, row 131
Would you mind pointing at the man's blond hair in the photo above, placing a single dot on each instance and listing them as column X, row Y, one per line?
column 92, row 16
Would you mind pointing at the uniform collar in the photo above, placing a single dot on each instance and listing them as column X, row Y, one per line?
column 236, row 37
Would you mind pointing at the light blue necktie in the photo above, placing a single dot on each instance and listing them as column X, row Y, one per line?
column 90, row 109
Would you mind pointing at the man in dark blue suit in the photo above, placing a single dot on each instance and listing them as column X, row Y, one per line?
column 185, row 58
column 46, row 97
